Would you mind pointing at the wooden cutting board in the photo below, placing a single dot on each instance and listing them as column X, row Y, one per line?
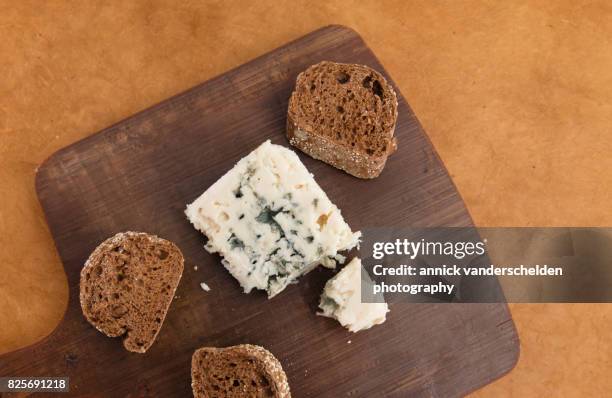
column 140, row 173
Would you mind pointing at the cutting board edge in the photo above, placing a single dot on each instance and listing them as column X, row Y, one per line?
column 49, row 160
column 515, row 357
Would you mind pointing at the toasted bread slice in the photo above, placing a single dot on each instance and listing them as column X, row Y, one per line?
column 344, row 115
column 238, row 371
column 127, row 286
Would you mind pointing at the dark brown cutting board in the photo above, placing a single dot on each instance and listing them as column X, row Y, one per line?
column 140, row 173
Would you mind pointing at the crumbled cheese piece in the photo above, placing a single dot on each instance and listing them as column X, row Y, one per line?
column 341, row 300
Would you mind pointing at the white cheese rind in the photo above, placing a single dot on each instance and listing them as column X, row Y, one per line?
column 341, row 299
column 270, row 221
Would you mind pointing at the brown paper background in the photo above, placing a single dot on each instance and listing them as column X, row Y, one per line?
column 516, row 97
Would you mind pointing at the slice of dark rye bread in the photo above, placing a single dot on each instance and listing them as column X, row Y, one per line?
column 239, row 371
column 127, row 285
column 344, row 115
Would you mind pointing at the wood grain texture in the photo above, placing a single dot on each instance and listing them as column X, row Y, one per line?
column 140, row 173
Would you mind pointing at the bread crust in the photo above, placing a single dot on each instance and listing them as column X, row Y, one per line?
column 337, row 152
column 133, row 319
column 262, row 360
column 354, row 162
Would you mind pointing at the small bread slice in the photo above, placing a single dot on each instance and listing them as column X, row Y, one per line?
column 239, row 371
column 127, row 285
column 344, row 115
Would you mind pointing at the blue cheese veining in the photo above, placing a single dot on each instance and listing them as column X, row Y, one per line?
column 270, row 221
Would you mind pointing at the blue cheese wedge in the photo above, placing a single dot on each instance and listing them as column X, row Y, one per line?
column 341, row 299
column 270, row 221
